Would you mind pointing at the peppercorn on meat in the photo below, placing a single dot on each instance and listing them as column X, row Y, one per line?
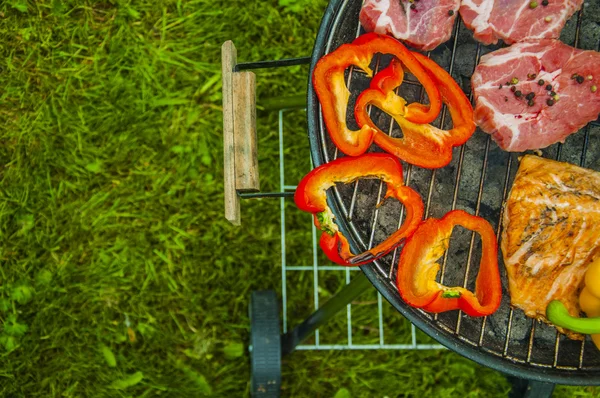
column 534, row 94
column 551, row 232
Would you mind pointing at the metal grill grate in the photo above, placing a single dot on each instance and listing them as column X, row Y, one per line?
column 479, row 170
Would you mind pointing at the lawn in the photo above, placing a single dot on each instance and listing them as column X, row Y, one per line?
column 119, row 274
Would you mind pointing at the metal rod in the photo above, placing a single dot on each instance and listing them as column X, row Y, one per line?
column 315, row 269
column 272, row 64
column 508, row 329
column 351, row 291
column 556, row 347
column 256, row 195
column 342, row 347
column 282, row 226
column 531, row 337
column 581, row 354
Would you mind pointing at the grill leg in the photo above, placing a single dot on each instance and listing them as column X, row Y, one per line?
column 352, row 290
column 522, row 388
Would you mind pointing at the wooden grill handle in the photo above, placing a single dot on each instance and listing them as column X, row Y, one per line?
column 239, row 133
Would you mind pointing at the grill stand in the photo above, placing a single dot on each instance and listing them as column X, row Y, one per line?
column 267, row 345
column 266, row 359
column 529, row 388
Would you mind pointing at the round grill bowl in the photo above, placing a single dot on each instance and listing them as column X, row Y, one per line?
column 477, row 180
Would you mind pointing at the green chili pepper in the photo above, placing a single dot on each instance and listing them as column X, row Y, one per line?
column 557, row 313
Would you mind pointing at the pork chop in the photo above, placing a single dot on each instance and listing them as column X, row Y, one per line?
column 423, row 24
column 515, row 20
column 550, row 234
column 567, row 99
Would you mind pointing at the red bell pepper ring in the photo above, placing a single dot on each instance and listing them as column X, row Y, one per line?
column 311, row 197
column 330, row 86
column 422, row 144
column 418, row 267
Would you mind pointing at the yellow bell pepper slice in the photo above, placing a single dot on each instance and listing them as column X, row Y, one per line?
column 589, row 299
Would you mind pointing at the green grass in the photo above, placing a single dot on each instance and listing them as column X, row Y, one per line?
column 119, row 274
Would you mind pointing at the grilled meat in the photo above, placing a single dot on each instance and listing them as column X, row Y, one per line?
column 531, row 95
column 551, row 232
column 516, row 20
column 421, row 24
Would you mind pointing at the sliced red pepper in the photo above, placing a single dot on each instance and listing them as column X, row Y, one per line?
column 422, row 144
column 330, row 86
column 418, row 267
column 311, row 197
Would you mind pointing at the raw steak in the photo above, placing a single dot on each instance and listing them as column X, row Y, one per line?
column 514, row 20
column 425, row 26
column 512, row 122
column 550, row 234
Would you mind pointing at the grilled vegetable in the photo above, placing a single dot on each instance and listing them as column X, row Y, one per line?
column 330, row 86
column 311, row 197
column 422, row 144
column 589, row 299
column 558, row 314
column 418, row 267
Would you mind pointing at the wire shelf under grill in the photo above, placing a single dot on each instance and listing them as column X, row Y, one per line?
column 477, row 180
column 382, row 335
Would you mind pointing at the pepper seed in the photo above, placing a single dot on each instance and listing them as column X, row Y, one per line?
column 550, row 102
column 533, row 4
column 531, row 76
column 530, row 96
column 530, row 102
column 517, row 93
column 552, row 93
column 541, row 82
column 451, row 12
column 412, row 6
column 545, row 3
column 579, row 79
column 514, row 80
column 549, row 87
column 513, row 89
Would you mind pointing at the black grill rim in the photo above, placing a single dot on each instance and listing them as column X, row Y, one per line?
column 453, row 342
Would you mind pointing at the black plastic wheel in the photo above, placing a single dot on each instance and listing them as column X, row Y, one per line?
column 265, row 344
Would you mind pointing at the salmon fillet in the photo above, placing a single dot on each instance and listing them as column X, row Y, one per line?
column 551, row 232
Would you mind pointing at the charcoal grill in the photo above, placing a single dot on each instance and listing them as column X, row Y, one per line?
column 477, row 180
